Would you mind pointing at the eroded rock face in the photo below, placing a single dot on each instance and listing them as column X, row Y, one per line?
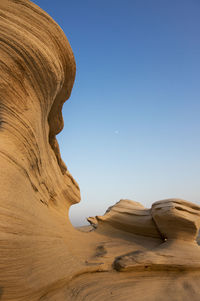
column 177, row 219
column 129, row 216
column 37, row 75
column 37, row 71
column 42, row 257
column 178, row 223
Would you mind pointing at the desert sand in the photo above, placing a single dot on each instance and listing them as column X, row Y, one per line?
column 130, row 253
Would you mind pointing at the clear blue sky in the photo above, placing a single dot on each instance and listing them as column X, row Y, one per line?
column 132, row 124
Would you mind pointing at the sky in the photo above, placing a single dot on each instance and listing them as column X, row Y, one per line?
column 132, row 124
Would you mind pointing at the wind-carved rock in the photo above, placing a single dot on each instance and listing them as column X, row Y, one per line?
column 177, row 219
column 129, row 216
column 178, row 223
column 42, row 257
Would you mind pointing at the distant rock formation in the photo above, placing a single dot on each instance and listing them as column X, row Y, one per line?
column 178, row 223
column 133, row 253
column 131, row 217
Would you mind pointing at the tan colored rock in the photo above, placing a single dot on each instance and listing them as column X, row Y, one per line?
column 177, row 219
column 42, row 257
column 129, row 216
column 93, row 221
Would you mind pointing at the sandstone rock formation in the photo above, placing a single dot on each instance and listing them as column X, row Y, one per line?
column 129, row 216
column 133, row 253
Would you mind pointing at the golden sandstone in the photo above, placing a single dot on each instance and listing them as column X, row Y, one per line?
column 131, row 253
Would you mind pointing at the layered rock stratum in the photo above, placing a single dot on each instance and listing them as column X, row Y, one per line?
column 130, row 253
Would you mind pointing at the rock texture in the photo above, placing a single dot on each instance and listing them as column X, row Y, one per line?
column 129, row 216
column 177, row 219
column 133, row 253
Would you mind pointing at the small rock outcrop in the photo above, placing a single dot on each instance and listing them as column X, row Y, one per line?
column 177, row 219
column 129, row 216
column 178, row 223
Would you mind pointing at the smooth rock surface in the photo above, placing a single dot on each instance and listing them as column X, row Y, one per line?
column 177, row 219
column 129, row 216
